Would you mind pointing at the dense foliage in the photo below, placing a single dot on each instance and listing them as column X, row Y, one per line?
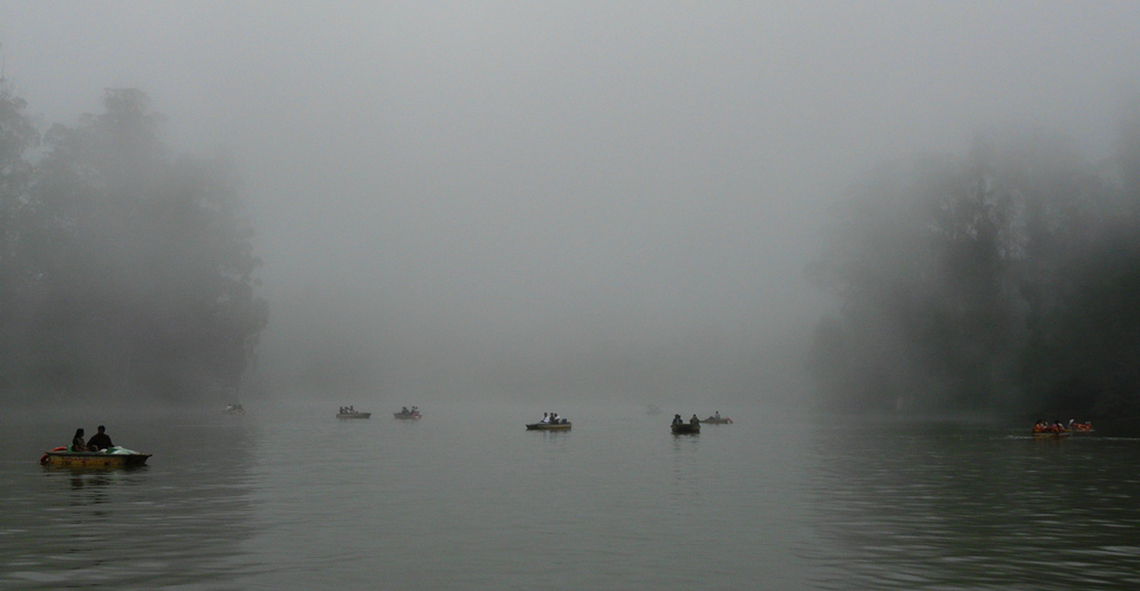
column 1007, row 280
column 124, row 268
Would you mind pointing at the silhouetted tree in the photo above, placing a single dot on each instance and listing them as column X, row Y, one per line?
column 18, row 135
column 143, row 267
column 1004, row 280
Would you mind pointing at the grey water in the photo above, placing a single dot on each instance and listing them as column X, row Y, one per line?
column 293, row 498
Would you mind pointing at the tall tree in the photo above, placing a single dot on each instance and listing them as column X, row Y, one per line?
column 144, row 266
column 970, row 283
column 18, row 135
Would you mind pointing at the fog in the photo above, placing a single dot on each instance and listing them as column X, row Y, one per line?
column 587, row 198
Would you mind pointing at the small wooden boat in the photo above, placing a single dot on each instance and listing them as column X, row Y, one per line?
column 548, row 426
column 112, row 457
column 353, row 415
column 717, row 421
column 686, row 428
column 408, row 415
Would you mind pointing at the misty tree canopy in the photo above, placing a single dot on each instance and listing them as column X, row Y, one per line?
column 1007, row 280
column 124, row 268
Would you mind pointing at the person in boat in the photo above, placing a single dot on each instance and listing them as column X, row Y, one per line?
column 77, row 442
column 554, row 418
column 405, row 411
column 415, row 410
column 100, row 440
column 545, row 418
column 717, row 415
column 694, row 421
column 677, row 420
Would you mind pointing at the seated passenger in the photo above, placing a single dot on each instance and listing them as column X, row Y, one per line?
column 677, row 420
column 100, row 440
column 77, row 443
column 545, row 418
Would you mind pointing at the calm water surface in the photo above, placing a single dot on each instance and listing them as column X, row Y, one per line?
column 292, row 498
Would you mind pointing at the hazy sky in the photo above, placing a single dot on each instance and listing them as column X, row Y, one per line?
column 599, row 169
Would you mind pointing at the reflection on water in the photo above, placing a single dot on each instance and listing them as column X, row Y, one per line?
column 930, row 506
column 179, row 522
column 468, row 499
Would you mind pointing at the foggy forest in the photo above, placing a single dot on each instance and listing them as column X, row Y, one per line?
column 703, row 219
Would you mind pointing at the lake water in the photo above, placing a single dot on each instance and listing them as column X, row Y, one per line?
column 292, row 498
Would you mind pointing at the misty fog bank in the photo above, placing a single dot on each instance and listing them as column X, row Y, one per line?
column 588, row 199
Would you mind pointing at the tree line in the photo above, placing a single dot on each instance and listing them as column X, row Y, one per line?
column 125, row 268
column 1006, row 279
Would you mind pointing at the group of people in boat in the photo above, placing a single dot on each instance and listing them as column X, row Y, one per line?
column 347, row 410
column 99, row 441
column 415, row 411
column 677, row 420
column 1056, row 426
column 552, row 418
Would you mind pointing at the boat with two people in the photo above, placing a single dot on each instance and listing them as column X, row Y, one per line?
column 550, row 422
column 680, row 427
column 347, row 412
column 406, row 414
column 234, row 409
column 100, row 452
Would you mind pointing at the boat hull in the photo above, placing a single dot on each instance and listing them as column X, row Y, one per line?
column 547, row 427
column 408, row 417
column 716, row 421
column 686, row 428
column 354, row 415
column 1050, row 434
column 73, row 459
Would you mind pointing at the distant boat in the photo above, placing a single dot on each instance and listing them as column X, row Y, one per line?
column 112, row 457
column 686, row 428
column 548, row 426
column 717, row 421
column 408, row 415
column 234, row 409
column 353, row 415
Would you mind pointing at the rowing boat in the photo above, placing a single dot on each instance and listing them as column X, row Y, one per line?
column 548, row 426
